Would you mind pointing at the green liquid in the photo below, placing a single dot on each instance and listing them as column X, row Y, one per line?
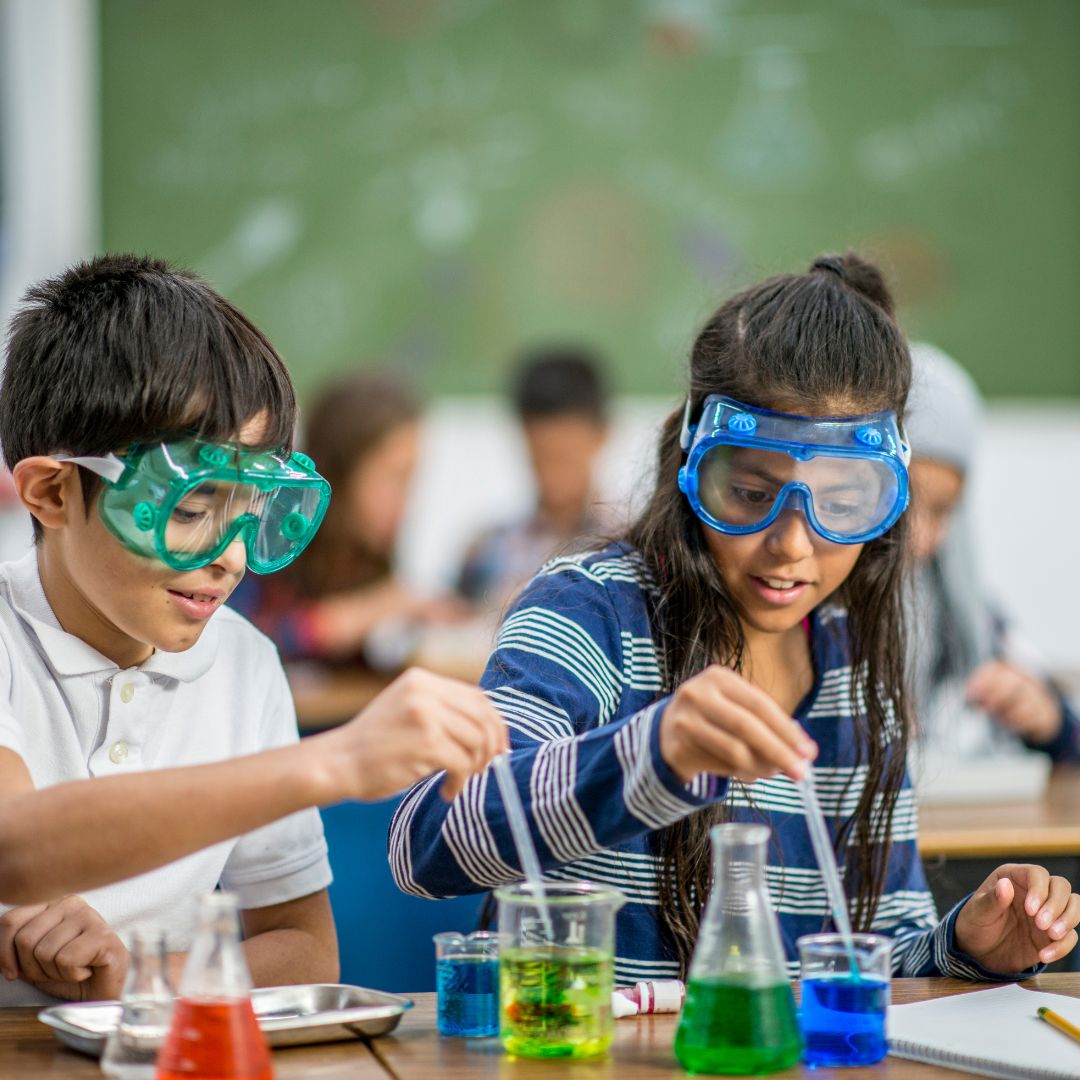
column 733, row 1026
column 555, row 1001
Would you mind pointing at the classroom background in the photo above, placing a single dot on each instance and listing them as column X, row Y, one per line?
column 434, row 186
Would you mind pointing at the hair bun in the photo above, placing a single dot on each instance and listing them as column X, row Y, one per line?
column 859, row 274
column 832, row 263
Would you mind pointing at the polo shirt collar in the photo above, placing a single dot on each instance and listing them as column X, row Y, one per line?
column 70, row 655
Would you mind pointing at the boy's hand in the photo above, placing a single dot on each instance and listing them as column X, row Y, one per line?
column 1018, row 917
column 419, row 724
column 1018, row 701
column 64, row 948
column 720, row 723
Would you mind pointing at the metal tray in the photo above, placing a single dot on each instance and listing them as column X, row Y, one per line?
column 288, row 1016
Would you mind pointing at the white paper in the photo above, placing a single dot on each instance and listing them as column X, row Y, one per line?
column 997, row 1031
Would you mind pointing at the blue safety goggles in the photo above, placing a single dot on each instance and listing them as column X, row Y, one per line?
column 744, row 465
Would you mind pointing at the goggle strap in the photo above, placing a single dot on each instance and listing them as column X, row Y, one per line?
column 110, row 466
column 686, row 436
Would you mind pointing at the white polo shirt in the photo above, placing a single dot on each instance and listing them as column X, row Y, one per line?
column 70, row 713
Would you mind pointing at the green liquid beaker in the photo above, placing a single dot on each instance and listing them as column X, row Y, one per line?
column 739, row 1016
column 555, row 994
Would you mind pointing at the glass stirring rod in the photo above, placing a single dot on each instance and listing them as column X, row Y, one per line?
column 826, row 858
column 519, row 829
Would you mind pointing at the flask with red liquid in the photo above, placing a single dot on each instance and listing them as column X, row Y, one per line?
column 215, row 1034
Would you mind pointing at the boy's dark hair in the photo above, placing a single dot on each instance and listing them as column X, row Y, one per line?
column 124, row 349
column 560, row 382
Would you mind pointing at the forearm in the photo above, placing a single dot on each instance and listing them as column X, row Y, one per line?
column 291, row 955
column 87, row 833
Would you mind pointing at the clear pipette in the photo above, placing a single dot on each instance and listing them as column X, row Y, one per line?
column 826, row 858
column 519, row 829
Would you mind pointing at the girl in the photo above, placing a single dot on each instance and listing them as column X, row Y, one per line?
column 364, row 431
column 649, row 687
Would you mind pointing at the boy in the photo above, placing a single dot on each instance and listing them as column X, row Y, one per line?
column 560, row 398
column 116, row 655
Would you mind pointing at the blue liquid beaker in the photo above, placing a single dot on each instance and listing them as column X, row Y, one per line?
column 467, row 980
column 842, row 1013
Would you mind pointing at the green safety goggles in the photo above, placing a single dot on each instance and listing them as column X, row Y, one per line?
column 184, row 502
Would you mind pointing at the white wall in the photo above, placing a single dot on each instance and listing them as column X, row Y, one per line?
column 1025, row 492
column 49, row 127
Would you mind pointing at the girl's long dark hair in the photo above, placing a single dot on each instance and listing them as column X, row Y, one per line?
column 822, row 343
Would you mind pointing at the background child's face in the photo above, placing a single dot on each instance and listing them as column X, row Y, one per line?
column 378, row 488
column 935, row 492
column 779, row 575
column 563, row 451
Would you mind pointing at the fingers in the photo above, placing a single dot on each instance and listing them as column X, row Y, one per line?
column 757, row 702
column 718, row 722
column 1052, row 916
column 10, row 923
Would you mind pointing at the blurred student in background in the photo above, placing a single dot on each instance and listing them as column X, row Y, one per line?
column 364, row 432
column 561, row 400
column 966, row 664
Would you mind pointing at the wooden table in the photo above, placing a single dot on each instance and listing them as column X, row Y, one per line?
column 1048, row 827
column 642, row 1049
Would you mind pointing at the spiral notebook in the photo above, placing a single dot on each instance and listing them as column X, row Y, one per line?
column 989, row 1032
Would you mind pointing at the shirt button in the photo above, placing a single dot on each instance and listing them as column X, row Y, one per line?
column 127, row 692
column 119, row 752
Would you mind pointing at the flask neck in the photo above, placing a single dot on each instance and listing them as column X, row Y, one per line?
column 216, row 968
column 148, row 973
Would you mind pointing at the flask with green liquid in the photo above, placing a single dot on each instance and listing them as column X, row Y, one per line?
column 739, row 1015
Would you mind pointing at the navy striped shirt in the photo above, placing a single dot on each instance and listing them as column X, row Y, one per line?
column 576, row 675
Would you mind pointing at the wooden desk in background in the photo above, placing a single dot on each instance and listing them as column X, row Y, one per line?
column 1005, row 831
column 642, row 1049
column 335, row 698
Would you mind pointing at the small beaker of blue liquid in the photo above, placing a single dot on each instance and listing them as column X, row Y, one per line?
column 842, row 1011
column 467, row 979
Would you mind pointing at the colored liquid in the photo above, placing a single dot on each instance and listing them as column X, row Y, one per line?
column 468, row 995
column 214, row 1040
column 556, row 1001
column 731, row 1025
column 843, row 1020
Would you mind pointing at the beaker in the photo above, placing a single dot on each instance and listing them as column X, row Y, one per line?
column 555, row 992
column 214, row 1031
column 467, row 979
column 147, row 999
column 842, row 1013
column 739, row 1015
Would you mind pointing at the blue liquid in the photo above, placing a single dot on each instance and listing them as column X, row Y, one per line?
column 468, row 995
column 843, row 1020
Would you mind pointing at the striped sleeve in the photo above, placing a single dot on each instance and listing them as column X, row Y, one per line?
column 577, row 689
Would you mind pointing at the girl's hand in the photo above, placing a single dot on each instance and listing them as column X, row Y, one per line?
column 1015, row 700
column 64, row 948
column 1018, row 917
column 719, row 723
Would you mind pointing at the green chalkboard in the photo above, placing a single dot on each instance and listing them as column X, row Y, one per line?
column 434, row 184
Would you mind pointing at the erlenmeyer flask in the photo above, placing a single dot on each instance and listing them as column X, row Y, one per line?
column 147, row 999
column 739, row 1015
column 214, row 1033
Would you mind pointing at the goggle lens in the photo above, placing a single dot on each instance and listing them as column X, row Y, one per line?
column 272, row 522
column 740, row 486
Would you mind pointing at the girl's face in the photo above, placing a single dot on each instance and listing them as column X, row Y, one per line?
column 776, row 577
column 379, row 488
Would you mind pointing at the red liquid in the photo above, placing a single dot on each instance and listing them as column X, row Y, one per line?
column 214, row 1040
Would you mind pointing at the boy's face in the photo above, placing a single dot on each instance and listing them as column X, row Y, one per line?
column 118, row 601
column 563, row 450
